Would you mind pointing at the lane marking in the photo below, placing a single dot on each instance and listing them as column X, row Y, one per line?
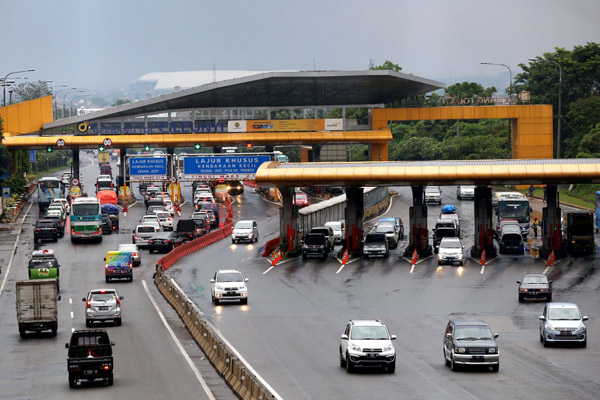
column 270, row 268
column 71, row 314
column 412, row 268
column 178, row 343
column 70, row 301
column 482, row 269
column 279, row 263
column 233, row 349
column 546, row 270
column 14, row 250
column 91, row 160
column 340, row 269
column 72, row 330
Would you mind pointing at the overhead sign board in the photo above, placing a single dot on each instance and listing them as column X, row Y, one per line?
column 285, row 125
column 222, row 167
column 147, row 169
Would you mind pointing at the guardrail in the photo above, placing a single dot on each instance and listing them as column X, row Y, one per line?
column 236, row 373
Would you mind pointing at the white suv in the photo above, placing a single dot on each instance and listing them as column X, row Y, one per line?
column 367, row 343
column 229, row 284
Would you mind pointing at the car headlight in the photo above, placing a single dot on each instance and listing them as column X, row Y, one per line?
column 389, row 347
column 354, row 347
column 461, row 350
column 523, row 290
column 580, row 327
column 548, row 326
column 492, row 350
column 219, row 287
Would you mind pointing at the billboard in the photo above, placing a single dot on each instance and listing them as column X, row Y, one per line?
column 147, row 169
column 222, row 167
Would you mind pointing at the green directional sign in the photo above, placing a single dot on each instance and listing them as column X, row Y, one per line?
column 49, row 149
column 197, row 146
column 101, row 147
column 147, row 147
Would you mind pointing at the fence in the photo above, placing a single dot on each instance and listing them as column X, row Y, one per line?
column 334, row 209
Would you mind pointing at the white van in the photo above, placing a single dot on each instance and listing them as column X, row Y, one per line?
column 339, row 230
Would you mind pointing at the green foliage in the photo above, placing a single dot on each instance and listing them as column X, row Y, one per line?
column 469, row 89
column 30, row 91
column 388, row 65
column 580, row 84
column 590, row 143
column 120, row 102
column 4, row 159
column 17, row 184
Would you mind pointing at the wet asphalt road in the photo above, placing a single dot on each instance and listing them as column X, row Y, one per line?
column 148, row 363
column 290, row 329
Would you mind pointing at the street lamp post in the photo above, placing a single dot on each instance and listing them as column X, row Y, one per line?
column 54, row 94
column 559, row 101
column 510, row 83
column 73, row 98
column 65, row 101
column 6, row 77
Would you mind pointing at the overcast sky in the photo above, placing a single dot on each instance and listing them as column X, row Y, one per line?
column 106, row 44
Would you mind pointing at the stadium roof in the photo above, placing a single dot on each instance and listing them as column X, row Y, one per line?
column 277, row 89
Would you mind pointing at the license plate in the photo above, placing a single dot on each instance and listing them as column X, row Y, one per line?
column 371, row 355
column 477, row 358
column 86, row 235
column 231, row 293
column 565, row 333
column 89, row 372
column 103, row 308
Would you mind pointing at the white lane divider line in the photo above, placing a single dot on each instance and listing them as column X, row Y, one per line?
column 70, row 301
column 546, row 270
column 72, row 330
column 14, row 250
column 178, row 343
column 270, row 268
column 71, row 314
column 412, row 268
column 482, row 270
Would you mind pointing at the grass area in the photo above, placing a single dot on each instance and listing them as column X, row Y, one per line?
column 581, row 195
column 51, row 171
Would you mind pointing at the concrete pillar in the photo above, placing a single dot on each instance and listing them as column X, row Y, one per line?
column 418, row 233
column 551, row 226
column 484, row 223
column 316, row 150
column 355, row 210
column 76, row 168
column 288, row 222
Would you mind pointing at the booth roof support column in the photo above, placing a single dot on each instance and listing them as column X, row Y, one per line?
column 418, row 233
column 551, row 226
column 484, row 224
column 76, row 173
column 288, row 222
column 354, row 219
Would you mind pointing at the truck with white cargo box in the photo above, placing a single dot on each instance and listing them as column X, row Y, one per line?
column 37, row 308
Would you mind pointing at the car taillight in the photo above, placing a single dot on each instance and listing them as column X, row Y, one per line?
column 38, row 230
column 130, row 265
column 53, row 229
column 89, row 303
column 169, row 219
column 135, row 254
column 167, row 241
column 106, row 366
column 150, row 241
column 118, row 301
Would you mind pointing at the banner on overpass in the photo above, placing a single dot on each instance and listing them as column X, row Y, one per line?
column 147, row 169
column 222, row 167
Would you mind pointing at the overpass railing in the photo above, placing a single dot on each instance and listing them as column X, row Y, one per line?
column 334, row 209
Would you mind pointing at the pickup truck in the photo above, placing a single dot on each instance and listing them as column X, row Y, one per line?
column 90, row 356
column 190, row 229
column 37, row 305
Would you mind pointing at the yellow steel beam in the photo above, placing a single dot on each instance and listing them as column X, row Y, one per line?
column 206, row 139
column 482, row 172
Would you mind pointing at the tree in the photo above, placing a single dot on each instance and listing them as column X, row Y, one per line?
column 590, row 143
column 583, row 115
column 387, row 65
column 30, row 91
column 120, row 102
column 468, row 90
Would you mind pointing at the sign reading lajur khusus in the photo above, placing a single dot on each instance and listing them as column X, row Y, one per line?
column 147, row 168
column 222, row 167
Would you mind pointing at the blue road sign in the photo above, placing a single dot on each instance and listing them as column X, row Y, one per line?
column 147, row 168
column 222, row 167
column 31, row 155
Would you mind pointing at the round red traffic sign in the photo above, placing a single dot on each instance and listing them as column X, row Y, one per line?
column 107, row 142
column 60, row 143
column 173, row 179
column 74, row 182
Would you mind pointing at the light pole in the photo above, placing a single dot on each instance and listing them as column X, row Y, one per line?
column 54, row 95
column 65, row 101
column 559, row 100
column 73, row 98
column 510, row 83
column 4, row 80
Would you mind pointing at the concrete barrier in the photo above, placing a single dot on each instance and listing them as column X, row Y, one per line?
column 237, row 375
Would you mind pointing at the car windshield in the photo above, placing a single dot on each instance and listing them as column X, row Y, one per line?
column 86, row 209
column 445, row 232
column 564, row 314
column 314, row 239
column 384, row 228
column 300, row 196
column 375, row 239
column 127, row 247
column 230, row 277
column 472, row 332
column 369, row 333
column 447, row 244
column 149, row 218
column 163, row 215
column 41, row 264
column 535, row 279
column 243, row 225
column 103, row 297
column 146, row 229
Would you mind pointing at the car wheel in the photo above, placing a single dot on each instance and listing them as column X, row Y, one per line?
column 541, row 338
column 216, row 301
column 391, row 368
column 584, row 343
column 88, row 323
column 446, row 361
column 107, row 279
column 496, row 368
column 244, row 301
column 232, row 241
column 256, row 238
column 304, row 256
column 521, row 299
column 453, row 365
column 109, row 381
column 545, row 342
column 349, row 364
column 72, row 382
column 151, row 251
column 55, row 239
column 324, row 256
column 118, row 321
column 549, row 298
column 131, row 278
column 342, row 361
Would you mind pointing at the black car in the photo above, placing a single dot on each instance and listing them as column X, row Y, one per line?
column 60, row 224
column 215, row 209
column 106, row 224
column 164, row 241
column 45, row 229
column 535, row 286
column 189, row 229
column 470, row 342
column 315, row 244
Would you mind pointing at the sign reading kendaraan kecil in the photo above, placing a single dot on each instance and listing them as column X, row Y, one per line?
column 222, row 167
column 147, row 169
